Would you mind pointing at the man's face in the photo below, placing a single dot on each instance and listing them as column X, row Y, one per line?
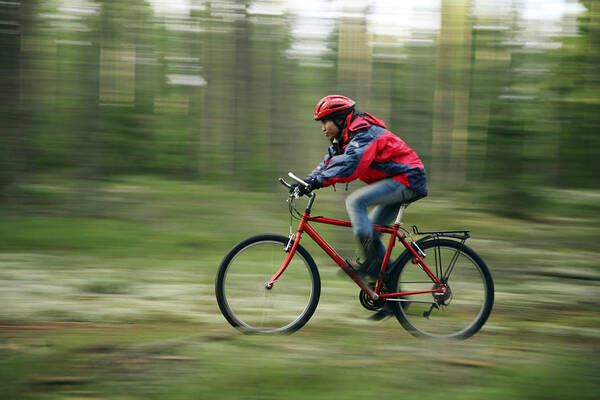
column 329, row 129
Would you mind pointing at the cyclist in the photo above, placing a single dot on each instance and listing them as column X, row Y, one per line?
column 362, row 148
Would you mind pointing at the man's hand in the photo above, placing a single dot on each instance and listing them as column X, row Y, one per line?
column 302, row 190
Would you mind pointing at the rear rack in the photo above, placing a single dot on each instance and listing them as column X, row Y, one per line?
column 461, row 234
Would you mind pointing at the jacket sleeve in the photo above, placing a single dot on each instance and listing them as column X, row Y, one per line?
column 313, row 175
column 346, row 167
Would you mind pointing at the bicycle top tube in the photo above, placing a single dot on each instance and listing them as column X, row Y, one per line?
column 348, row 224
column 329, row 221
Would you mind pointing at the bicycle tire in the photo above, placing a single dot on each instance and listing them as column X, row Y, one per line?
column 248, row 305
column 464, row 311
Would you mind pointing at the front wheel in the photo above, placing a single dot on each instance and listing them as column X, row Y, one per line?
column 249, row 305
column 459, row 313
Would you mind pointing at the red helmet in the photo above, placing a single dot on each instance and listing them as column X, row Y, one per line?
column 332, row 104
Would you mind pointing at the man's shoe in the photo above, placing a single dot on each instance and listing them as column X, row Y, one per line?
column 363, row 270
column 383, row 313
column 371, row 266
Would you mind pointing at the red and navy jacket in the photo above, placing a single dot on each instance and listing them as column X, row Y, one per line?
column 370, row 152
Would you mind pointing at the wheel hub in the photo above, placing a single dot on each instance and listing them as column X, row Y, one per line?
column 442, row 298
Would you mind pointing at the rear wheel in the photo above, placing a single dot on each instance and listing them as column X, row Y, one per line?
column 460, row 312
column 249, row 305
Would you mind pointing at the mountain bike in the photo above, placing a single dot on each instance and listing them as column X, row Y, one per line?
column 270, row 283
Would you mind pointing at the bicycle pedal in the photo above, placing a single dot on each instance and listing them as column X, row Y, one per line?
column 382, row 314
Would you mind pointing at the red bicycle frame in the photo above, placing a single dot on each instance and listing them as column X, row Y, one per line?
column 374, row 293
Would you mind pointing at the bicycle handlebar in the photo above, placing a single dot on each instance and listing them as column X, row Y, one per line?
column 284, row 183
column 294, row 177
column 300, row 181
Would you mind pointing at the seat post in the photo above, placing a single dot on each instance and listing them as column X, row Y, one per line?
column 400, row 213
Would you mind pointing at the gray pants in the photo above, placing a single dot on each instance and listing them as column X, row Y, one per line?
column 387, row 196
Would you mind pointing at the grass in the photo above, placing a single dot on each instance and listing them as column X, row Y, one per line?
column 119, row 303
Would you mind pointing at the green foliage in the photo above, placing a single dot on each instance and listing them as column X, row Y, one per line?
column 121, row 305
column 106, row 287
column 120, row 90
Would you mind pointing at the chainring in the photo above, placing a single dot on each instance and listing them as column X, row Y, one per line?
column 369, row 303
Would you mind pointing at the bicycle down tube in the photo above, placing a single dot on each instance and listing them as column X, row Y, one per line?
column 374, row 294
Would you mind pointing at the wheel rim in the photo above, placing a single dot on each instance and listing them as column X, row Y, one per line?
column 254, row 307
column 459, row 314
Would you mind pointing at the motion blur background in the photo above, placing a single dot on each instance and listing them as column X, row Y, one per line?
column 140, row 140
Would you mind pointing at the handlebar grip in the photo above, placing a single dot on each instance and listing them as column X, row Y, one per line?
column 300, row 181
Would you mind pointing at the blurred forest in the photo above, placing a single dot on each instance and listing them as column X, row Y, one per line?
column 500, row 97
column 140, row 140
